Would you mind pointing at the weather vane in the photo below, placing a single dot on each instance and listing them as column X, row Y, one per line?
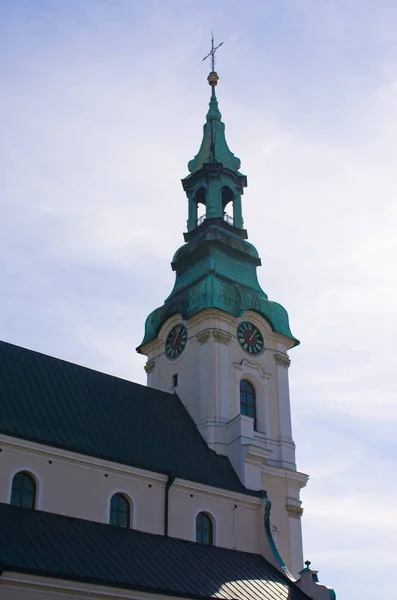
column 212, row 53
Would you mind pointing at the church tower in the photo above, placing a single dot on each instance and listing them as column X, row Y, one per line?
column 222, row 345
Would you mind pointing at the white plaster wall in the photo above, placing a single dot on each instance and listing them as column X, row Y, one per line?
column 295, row 528
column 76, row 486
column 209, row 371
column 236, row 523
column 283, row 487
column 84, row 490
column 276, row 492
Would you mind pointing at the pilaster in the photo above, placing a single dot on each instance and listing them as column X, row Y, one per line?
column 192, row 212
column 237, row 209
column 287, row 446
column 214, row 200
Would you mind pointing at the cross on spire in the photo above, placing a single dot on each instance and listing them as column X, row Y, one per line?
column 212, row 53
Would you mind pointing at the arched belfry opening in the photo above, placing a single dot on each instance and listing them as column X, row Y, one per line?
column 228, row 205
column 200, row 198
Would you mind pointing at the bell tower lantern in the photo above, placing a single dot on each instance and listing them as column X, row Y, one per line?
column 214, row 180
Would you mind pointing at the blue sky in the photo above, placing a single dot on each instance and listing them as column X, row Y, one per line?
column 102, row 104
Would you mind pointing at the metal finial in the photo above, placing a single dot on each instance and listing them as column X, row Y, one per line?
column 308, row 563
column 212, row 53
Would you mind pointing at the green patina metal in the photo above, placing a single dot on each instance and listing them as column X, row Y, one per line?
column 270, row 539
column 214, row 179
column 216, row 267
column 314, row 574
column 214, row 147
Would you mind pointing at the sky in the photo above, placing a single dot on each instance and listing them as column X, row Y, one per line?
column 102, row 104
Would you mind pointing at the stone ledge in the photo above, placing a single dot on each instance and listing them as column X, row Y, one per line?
column 222, row 337
column 149, row 366
column 294, row 511
column 282, row 360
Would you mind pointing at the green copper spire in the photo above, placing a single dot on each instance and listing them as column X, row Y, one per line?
column 214, row 148
column 216, row 267
column 214, row 181
column 213, row 114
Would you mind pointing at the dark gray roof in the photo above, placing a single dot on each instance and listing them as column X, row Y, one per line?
column 57, row 403
column 56, row 546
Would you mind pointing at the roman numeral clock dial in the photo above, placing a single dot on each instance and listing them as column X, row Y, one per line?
column 176, row 341
column 250, row 338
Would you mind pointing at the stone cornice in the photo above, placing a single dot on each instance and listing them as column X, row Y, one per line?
column 282, row 360
column 294, row 511
column 149, row 366
column 222, row 337
column 257, row 455
column 249, row 366
column 243, row 499
column 210, row 313
column 54, row 588
column 76, row 458
column 297, row 478
column 50, row 452
column 203, row 336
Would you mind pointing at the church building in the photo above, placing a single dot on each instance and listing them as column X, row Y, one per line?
column 186, row 487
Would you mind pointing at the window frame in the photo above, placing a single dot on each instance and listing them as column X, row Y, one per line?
column 244, row 400
column 119, row 512
column 204, row 526
column 22, row 490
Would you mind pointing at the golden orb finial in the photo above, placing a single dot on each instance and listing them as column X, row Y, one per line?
column 213, row 78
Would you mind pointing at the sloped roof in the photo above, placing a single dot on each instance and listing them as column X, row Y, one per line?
column 56, row 546
column 60, row 404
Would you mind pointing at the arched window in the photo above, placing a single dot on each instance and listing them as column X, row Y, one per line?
column 247, row 399
column 228, row 201
column 200, row 206
column 120, row 511
column 204, row 529
column 23, row 491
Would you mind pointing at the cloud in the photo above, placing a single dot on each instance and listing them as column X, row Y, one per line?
column 101, row 107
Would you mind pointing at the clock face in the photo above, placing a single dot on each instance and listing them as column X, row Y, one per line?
column 250, row 338
column 176, row 341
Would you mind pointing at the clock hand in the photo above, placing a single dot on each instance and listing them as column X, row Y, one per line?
column 254, row 332
column 176, row 338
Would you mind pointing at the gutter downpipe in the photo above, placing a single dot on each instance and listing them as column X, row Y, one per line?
column 269, row 537
column 170, row 481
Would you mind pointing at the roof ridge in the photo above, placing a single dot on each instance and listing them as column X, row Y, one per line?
column 78, row 365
